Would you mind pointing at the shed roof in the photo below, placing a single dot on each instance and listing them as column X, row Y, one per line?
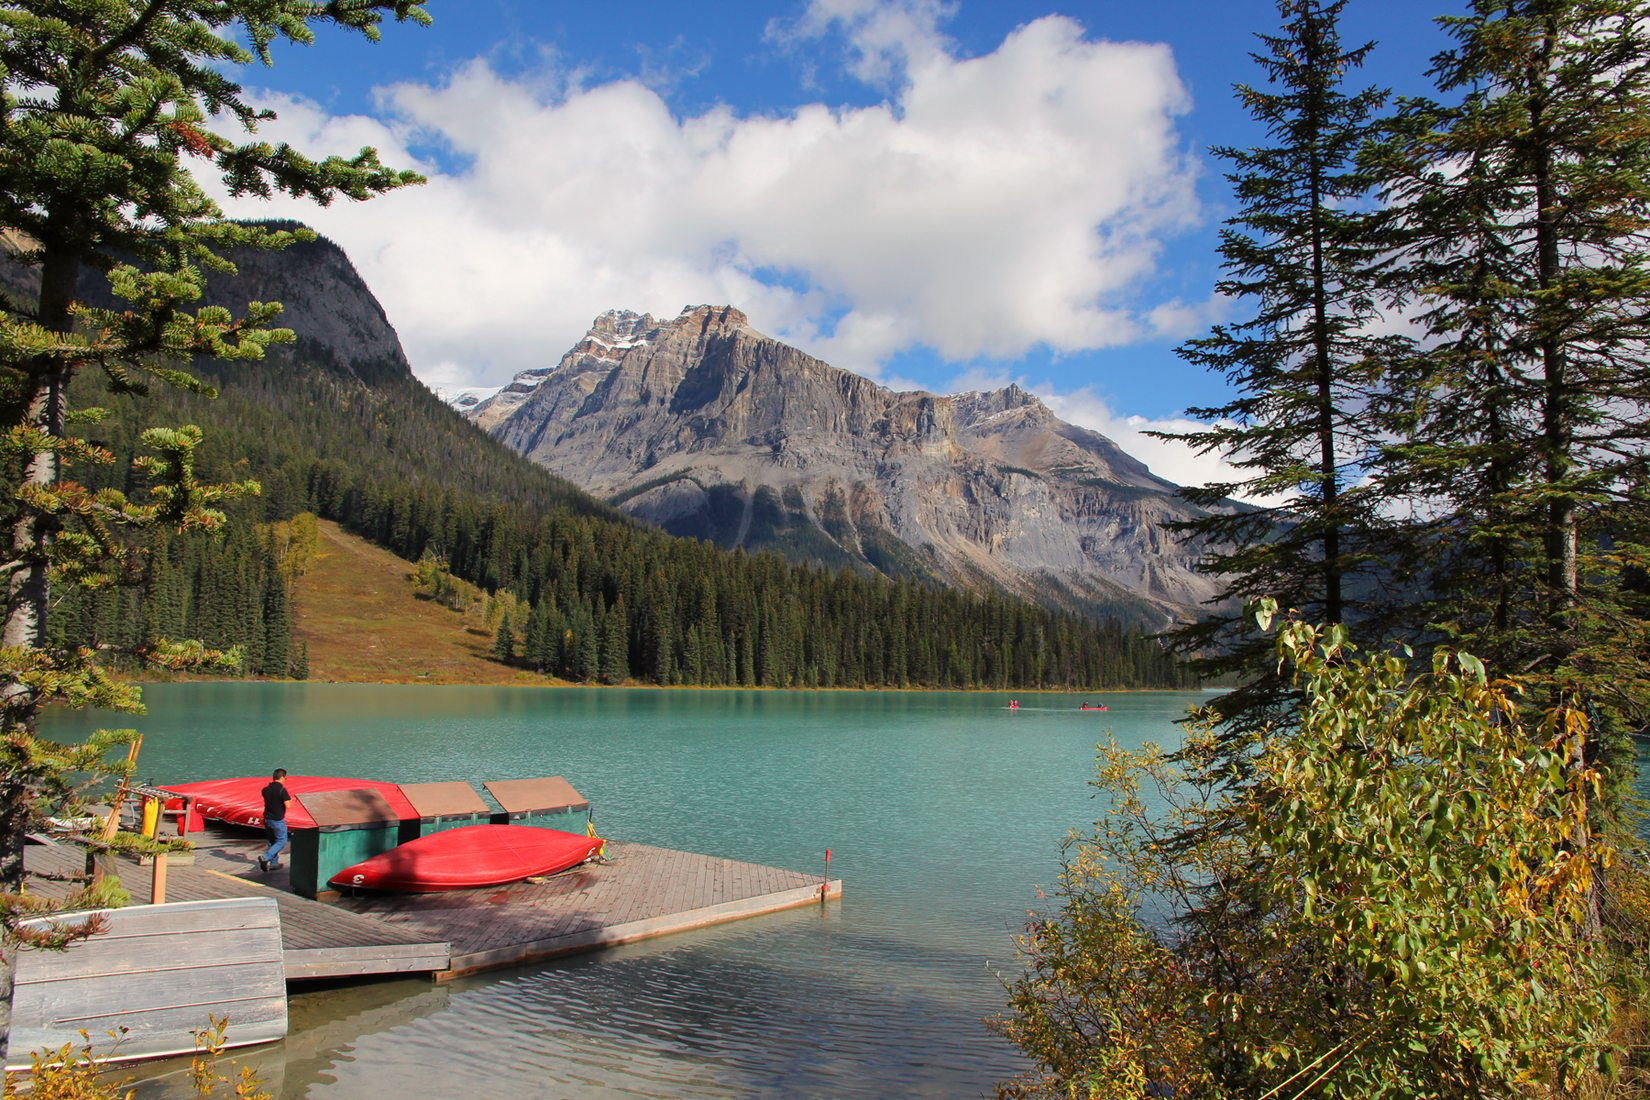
column 444, row 799
column 526, row 795
column 355, row 806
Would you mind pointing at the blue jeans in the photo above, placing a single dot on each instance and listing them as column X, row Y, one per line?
column 277, row 840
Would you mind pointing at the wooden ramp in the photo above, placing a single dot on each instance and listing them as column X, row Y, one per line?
column 155, row 974
column 641, row 892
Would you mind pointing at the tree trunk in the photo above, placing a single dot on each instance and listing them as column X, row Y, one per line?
column 27, row 591
column 1324, row 375
column 28, row 595
column 1328, row 474
column 1558, row 429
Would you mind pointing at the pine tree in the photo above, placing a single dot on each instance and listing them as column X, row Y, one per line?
column 100, row 106
column 586, row 657
column 693, row 657
column 1303, row 366
column 163, row 603
column 541, row 630
column 615, row 651
column 659, row 631
column 1523, row 209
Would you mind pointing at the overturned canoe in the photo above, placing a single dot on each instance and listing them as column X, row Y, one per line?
column 240, row 801
column 470, row 856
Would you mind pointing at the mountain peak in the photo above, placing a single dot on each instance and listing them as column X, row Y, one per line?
column 708, row 428
column 622, row 326
column 712, row 317
column 617, row 331
column 980, row 404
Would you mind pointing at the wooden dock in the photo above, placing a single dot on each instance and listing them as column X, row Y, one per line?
column 154, row 975
column 317, row 940
column 639, row 893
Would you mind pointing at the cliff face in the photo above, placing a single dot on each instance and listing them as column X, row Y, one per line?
column 708, row 428
column 337, row 323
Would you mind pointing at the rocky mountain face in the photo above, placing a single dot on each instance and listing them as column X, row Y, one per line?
column 337, row 323
column 708, row 428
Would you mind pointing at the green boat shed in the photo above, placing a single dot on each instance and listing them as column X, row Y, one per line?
column 448, row 805
column 350, row 826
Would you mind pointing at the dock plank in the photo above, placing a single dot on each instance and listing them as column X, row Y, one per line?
column 156, row 974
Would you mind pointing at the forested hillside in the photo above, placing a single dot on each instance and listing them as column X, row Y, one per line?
column 595, row 596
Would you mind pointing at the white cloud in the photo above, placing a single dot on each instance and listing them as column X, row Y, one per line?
column 995, row 205
column 1177, row 320
column 1167, row 458
column 887, row 37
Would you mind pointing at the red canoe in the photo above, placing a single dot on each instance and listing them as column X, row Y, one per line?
column 472, row 855
column 241, row 802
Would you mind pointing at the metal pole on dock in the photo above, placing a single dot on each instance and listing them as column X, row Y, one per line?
column 825, row 885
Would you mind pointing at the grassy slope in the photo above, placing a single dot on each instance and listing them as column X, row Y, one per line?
column 357, row 612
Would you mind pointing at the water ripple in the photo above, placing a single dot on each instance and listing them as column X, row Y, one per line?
column 943, row 811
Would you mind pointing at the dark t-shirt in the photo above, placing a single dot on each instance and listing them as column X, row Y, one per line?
column 275, row 798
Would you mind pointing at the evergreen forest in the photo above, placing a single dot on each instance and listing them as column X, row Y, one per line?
column 597, row 598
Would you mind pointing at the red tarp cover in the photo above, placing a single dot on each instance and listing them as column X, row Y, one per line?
column 241, row 801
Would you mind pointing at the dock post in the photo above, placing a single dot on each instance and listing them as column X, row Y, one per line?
column 157, row 880
column 100, row 864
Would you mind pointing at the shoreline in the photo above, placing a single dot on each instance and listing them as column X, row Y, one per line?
column 528, row 681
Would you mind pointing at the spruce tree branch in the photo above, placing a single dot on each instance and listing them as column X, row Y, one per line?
column 121, row 41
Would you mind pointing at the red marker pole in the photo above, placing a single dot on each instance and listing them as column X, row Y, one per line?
column 825, row 886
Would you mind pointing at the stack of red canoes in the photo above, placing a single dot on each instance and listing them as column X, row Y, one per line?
column 453, row 859
column 240, row 801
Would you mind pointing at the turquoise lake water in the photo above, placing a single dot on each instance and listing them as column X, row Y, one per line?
column 943, row 812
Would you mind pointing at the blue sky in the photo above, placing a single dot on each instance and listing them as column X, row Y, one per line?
column 942, row 196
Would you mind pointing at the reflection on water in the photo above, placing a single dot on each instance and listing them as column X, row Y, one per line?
column 943, row 812
column 788, row 1009
column 321, row 1024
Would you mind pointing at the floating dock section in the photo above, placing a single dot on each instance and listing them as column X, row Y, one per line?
column 639, row 893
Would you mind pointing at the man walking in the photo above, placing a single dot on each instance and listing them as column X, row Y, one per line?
column 276, row 796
